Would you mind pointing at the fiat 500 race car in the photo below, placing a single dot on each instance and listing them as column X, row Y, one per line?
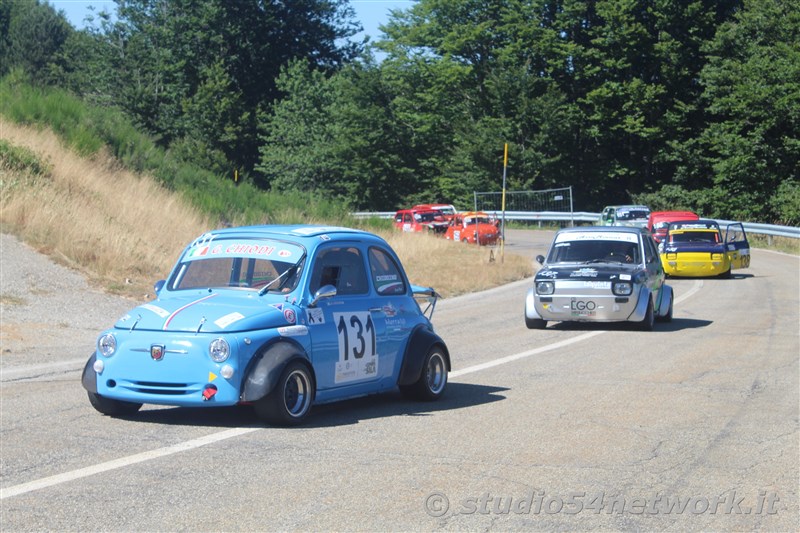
column 473, row 227
column 281, row 317
column 600, row 274
column 697, row 248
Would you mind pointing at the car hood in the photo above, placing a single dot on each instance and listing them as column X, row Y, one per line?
column 593, row 271
column 214, row 312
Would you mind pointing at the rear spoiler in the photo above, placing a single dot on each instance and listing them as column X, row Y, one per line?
column 429, row 296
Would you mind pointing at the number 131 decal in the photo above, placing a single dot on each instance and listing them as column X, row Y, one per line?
column 357, row 347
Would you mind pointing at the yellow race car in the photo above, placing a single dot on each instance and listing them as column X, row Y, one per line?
column 697, row 248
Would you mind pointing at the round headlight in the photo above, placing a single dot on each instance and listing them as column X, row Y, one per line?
column 107, row 345
column 545, row 287
column 219, row 350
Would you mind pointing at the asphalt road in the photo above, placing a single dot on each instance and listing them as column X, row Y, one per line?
column 687, row 427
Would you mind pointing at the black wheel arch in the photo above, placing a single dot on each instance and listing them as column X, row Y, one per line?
column 420, row 342
column 89, row 376
column 264, row 370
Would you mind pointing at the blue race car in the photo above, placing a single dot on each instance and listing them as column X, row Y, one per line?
column 280, row 317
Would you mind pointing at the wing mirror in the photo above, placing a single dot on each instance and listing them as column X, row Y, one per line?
column 326, row 291
column 158, row 285
column 540, row 259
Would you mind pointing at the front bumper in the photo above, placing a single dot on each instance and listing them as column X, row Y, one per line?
column 181, row 378
column 586, row 306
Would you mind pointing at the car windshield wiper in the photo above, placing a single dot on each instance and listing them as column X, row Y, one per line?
column 590, row 261
column 286, row 273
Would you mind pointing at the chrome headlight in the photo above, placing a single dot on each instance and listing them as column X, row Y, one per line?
column 107, row 344
column 622, row 288
column 219, row 350
column 545, row 287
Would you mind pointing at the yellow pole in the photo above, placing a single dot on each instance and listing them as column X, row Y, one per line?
column 503, row 207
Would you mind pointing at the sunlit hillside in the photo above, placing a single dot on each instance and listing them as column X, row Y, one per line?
column 124, row 231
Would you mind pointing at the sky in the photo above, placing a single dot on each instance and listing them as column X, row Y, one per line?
column 371, row 13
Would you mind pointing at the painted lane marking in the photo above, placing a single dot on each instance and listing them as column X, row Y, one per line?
column 122, row 462
column 231, row 433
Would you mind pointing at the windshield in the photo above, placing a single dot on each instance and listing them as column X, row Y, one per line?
column 595, row 251
column 241, row 264
column 633, row 214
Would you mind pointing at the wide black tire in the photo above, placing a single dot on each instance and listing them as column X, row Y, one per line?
column 290, row 401
column 432, row 381
column 649, row 317
column 535, row 323
column 110, row 407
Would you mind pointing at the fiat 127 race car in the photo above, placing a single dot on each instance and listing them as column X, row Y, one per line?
column 600, row 274
column 280, row 317
column 697, row 248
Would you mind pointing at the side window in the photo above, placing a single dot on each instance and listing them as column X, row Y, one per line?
column 407, row 217
column 342, row 267
column 385, row 274
column 398, row 217
column 650, row 251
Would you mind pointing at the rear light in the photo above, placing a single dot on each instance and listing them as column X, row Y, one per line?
column 716, row 257
column 672, row 256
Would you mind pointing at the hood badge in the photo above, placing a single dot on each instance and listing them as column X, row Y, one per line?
column 157, row 351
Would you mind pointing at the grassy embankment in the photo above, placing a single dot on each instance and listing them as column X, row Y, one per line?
column 73, row 198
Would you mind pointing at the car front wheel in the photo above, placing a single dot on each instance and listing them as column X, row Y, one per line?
column 535, row 323
column 290, row 401
column 433, row 379
column 110, row 407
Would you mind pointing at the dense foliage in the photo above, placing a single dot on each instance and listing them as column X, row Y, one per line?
column 690, row 104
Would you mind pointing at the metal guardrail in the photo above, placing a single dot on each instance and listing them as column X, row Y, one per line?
column 755, row 228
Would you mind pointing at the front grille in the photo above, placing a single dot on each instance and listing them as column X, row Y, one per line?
column 165, row 389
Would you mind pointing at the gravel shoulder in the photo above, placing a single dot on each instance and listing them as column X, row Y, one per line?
column 48, row 313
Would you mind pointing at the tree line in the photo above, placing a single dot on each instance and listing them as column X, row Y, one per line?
column 692, row 104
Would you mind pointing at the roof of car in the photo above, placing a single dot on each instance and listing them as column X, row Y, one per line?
column 298, row 232
column 603, row 229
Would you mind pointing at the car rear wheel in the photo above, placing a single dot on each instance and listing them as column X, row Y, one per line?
column 433, row 379
column 290, row 401
column 649, row 317
column 535, row 323
column 110, row 407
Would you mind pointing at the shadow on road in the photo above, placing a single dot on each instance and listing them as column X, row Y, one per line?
column 677, row 324
column 457, row 396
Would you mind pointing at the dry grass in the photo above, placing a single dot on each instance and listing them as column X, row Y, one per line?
column 453, row 268
column 124, row 231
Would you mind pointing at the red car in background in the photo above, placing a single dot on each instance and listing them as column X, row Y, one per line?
column 418, row 220
column 659, row 221
column 473, row 227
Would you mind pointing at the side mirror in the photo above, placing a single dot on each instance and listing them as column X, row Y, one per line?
column 326, row 291
column 540, row 259
column 158, row 285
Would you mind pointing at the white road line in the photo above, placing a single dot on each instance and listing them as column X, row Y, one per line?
column 231, row 433
column 122, row 462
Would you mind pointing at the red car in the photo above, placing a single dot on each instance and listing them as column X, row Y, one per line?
column 447, row 210
column 659, row 220
column 417, row 220
column 474, row 227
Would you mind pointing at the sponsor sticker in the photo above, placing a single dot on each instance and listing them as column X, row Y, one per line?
column 315, row 316
column 225, row 321
column 290, row 316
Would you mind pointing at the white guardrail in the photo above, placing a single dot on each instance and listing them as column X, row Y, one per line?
column 582, row 216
